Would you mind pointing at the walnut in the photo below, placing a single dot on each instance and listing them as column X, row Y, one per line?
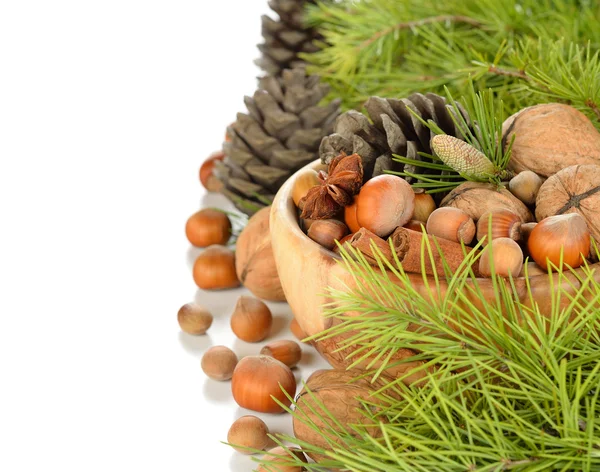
column 476, row 199
column 254, row 260
column 341, row 396
column 550, row 137
column 575, row 189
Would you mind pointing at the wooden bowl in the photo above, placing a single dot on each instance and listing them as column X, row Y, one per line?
column 306, row 269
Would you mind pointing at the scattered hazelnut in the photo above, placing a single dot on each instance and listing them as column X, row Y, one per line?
column 206, row 174
column 288, row 352
column 251, row 319
column 207, row 227
column 219, row 362
column 278, row 460
column 258, row 378
column 194, row 319
column 214, row 269
column 248, row 431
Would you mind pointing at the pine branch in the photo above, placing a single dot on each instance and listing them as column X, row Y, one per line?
column 527, row 52
column 512, row 389
column 486, row 136
column 421, row 22
column 594, row 107
column 508, row 73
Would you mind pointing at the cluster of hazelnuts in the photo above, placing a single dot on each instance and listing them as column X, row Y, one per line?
column 387, row 202
column 255, row 380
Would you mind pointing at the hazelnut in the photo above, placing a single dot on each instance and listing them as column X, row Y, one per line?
column 219, row 362
column 194, row 319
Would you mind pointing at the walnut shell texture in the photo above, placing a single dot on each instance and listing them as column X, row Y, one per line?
column 575, row 189
column 550, row 137
column 254, row 260
column 476, row 199
column 340, row 395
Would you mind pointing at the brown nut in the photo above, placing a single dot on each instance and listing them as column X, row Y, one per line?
column 503, row 224
column 214, row 269
column 452, row 224
column 219, row 362
column 560, row 240
column 327, row 232
column 416, row 225
column 303, row 183
column 424, row 205
column 258, row 379
column 194, row 319
column 288, row 352
column 206, row 174
column 525, row 186
column 503, row 257
column 278, row 460
column 251, row 319
column 384, row 203
column 248, row 431
column 207, row 227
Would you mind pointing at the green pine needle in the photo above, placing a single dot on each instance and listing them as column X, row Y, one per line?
column 484, row 134
column 506, row 388
column 526, row 51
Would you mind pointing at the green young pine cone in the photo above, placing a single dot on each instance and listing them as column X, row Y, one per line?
column 463, row 158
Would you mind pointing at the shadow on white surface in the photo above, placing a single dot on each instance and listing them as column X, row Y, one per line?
column 220, row 302
column 217, row 391
column 242, row 462
column 243, row 349
column 308, row 359
column 191, row 255
column 196, row 345
column 280, row 324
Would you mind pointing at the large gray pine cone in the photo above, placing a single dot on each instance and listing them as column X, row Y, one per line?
column 391, row 128
column 280, row 134
column 286, row 37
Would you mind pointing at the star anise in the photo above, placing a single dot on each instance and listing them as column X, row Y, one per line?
column 337, row 189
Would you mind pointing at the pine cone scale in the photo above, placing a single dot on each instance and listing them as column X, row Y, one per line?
column 286, row 37
column 280, row 134
column 392, row 127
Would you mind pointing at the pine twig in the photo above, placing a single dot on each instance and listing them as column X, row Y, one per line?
column 416, row 23
column 508, row 73
column 594, row 107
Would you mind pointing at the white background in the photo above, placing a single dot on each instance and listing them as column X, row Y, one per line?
column 107, row 109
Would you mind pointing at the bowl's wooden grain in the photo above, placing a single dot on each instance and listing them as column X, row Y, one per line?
column 307, row 269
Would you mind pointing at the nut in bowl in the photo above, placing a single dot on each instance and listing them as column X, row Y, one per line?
column 307, row 270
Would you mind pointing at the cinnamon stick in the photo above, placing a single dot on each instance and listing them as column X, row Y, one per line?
column 362, row 240
column 407, row 244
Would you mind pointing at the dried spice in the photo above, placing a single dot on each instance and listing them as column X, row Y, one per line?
column 337, row 189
